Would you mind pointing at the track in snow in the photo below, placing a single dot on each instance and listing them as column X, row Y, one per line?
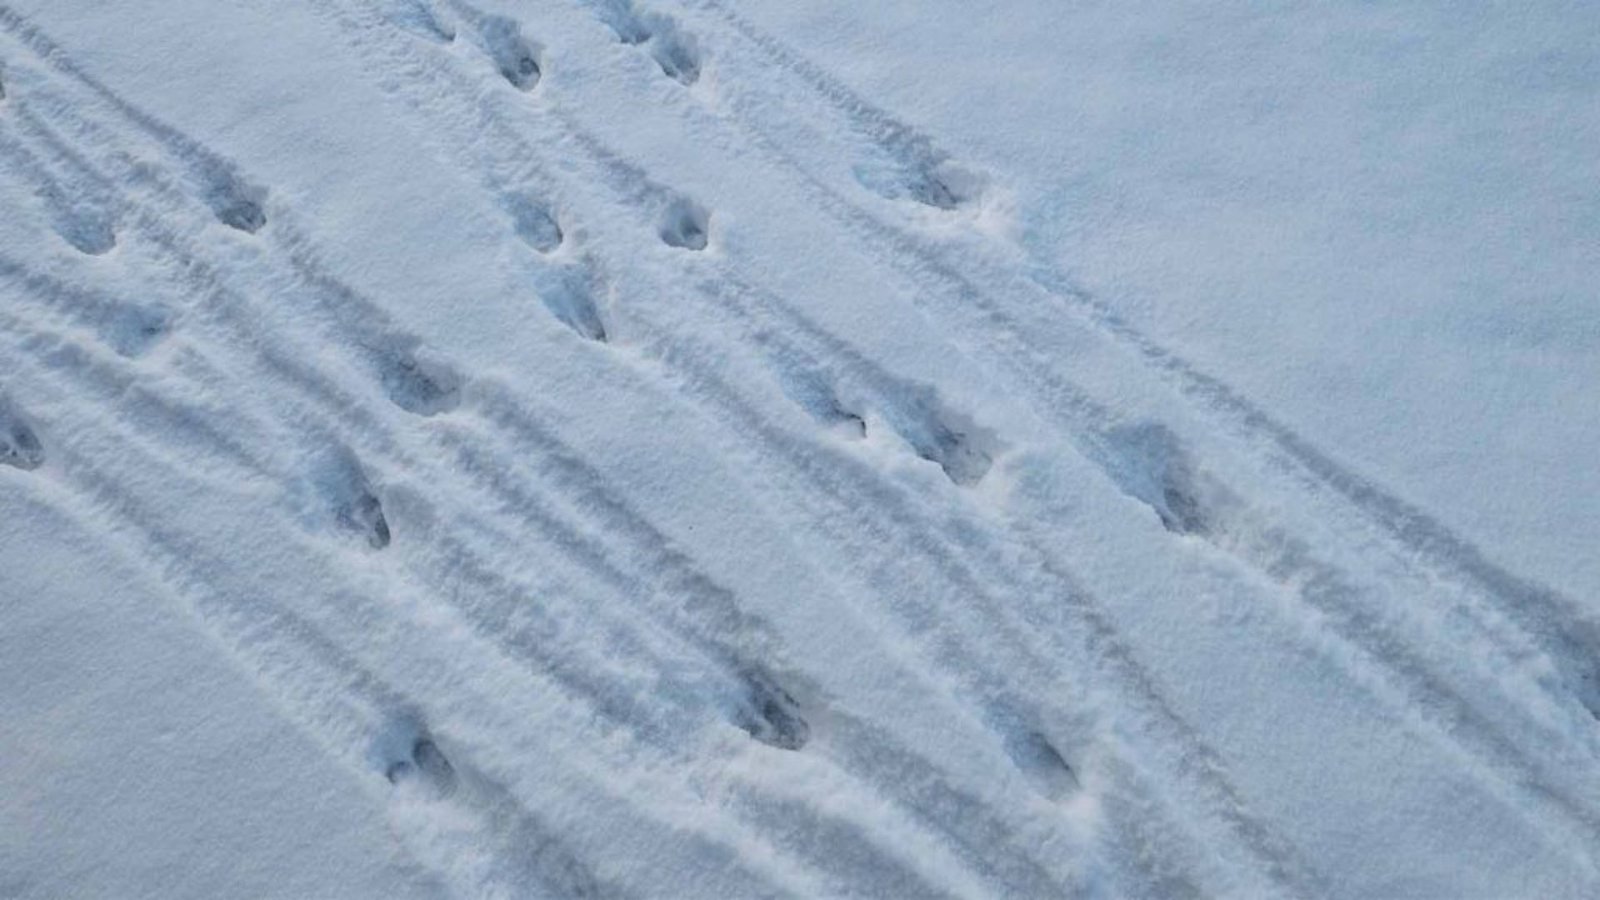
column 487, row 593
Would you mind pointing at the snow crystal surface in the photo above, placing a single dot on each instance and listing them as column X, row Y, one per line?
column 735, row 448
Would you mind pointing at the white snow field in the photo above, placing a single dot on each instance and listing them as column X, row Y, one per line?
column 745, row 448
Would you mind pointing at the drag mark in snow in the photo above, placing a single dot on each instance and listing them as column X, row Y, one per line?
column 420, row 18
column 233, row 201
column 920, row 171
column 80, row 217
column 1571, row 636
column 1180, row 508
column 128, row 328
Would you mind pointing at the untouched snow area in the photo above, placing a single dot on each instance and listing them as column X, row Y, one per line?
column 702, row 448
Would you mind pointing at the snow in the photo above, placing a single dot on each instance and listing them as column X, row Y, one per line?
column 699, row 449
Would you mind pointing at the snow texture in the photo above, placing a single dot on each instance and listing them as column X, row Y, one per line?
column 697, row 448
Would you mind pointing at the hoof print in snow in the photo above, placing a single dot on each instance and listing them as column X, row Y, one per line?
column 912, row 170
column 568, row 292
column 1040, row 760
column 959, row 452
column 955, row 443
column 811, row 391
column 933, row 180
column 88, row 233
column 535, row 222
column 768, row 714
column 133, row 330
column 930, row 191
column 19, row 446
column 420, row 388
column 236, row 204
column 1150, row 464
column 364, row 515
column 407, row 754
column 344, row 488
column 686, row 224
column 425, row 762
column 1033, row 753
column 245, row 215
column 1588, row 689
column 515, row 56
column 676, row 52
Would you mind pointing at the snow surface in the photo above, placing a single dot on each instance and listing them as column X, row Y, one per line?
column 702, row 448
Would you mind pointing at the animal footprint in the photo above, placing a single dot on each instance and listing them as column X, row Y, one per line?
column 235, row 203
column 342, row 490
column 674, row 50
column 685, row 224
column 535, row 222
column 1149, row 463
column 1032, row 752
column 19, row 446
column 911, row 171
column 407, row 754
column 88, row 231
column 515, row 57
column 810, row 389
column 958, row 445
column 568, row 292
column 425, row 389
column 767, row 713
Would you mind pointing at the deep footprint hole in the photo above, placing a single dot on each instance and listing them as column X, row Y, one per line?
column 343, row 491
column 808, row 388
column 535, row 222
column 940, row 183
column 1149, row 463
column 236, row 204
column 770, row 715
column 419, row 387
column 675, row 51
column 1032, row 752
column 964, row 450
column 515, row 56
column 568, row 293
column 90, row 233
column 133, row 330
column 20, row 447
column 406, row 753
column 686, row 224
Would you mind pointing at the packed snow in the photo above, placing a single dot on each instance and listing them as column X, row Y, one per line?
column 745, row 448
